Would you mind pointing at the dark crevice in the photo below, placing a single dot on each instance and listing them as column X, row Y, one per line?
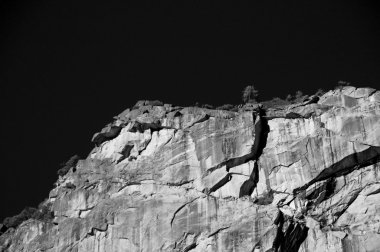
column 293, row 115
column 250, row 184
column 291, row 239
column 3, row 228
column 221, row 183
column 204, row 118
column 280, row 166
column 141, row 127
column 111, row 133
column 346, row 165
column 217, row 231
column 372, row 92
column 93, row 229
column 339, row 213
column 179, row 183
column 177, row 114
column 261, row 135
column 279, row 221
column 374, row 192
column 128, row 184
column 327, row 189
column 330, row 188
column 190, row 247
column 125, row 152
column 179, row 209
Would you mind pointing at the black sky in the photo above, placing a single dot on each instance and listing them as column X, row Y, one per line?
column 67, row 67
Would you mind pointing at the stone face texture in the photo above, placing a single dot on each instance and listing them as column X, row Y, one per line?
column 165, row 178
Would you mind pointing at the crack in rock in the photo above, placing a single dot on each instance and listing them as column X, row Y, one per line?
column 291, row 239
column 125, row 152
column 179, row 209
column 217, row 231
column 346, row 165
column 250, row 184
column 190, row 247
column 220, row 183
column 204, row 118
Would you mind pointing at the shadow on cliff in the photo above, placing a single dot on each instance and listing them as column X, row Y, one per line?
column 347, row 165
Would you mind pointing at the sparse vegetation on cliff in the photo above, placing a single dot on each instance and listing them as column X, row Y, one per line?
column 275, row 102
column 250, row 94
column 65, row 167
column 43, row 213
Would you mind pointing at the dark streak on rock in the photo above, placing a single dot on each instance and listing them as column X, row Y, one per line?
column 190, row 247
column 202, row 119
column 217, row 231
column 221, row 183
column 250, row 184
column 374, row 192
column 141, row 127
column 93, row 229
column 292, row 238
column 327, row 188
column 179, row 183
column 125, row 152
column 346, row 165
column 179, row 209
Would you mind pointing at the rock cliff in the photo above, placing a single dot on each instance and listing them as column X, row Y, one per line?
column 301, row 177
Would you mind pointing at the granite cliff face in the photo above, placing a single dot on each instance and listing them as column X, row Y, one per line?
column 302, row 177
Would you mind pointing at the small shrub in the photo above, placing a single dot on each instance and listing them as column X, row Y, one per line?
column 250, row 94
column 275, row 102
column 15, row 221
column 154, row 103
column 43, row 213
column 65, row 167
column 3, row 228
column 320, row 92
column 208, row 106
column 226, row 107
column 289, row 98
column 342, row 84
column 298, row 95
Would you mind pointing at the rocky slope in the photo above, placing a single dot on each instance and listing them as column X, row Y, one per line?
column 302, row 177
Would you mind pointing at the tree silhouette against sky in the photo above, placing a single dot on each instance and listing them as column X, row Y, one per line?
column 250, row 94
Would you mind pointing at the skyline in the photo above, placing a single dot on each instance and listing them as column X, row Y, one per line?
column 68, row 67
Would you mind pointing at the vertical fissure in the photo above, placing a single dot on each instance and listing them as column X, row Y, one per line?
column 290, row 234
column 261, row 135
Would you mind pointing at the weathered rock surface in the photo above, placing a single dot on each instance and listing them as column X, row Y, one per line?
column 305, row 177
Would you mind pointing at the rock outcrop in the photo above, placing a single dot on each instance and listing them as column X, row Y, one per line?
column 302, row 177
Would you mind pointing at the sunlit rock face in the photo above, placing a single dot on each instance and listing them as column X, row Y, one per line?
column 302, row 177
